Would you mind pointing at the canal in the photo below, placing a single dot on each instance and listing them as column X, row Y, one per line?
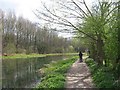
column 23, row 73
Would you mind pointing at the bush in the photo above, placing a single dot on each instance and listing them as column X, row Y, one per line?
column 102, row 76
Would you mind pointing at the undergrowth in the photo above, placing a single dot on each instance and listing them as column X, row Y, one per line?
column 54, row 74
column 103, row 77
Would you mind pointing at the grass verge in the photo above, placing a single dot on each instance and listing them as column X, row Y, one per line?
column 14, row 56
column 54, row 74
column 103, row 77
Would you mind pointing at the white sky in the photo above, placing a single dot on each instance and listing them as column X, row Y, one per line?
column 21, row 7
column 25, row 8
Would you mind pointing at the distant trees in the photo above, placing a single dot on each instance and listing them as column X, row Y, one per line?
column 22, row 36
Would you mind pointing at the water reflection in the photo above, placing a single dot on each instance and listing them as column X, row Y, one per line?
column 20, row 73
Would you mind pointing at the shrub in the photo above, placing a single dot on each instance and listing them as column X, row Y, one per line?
column 102, row 76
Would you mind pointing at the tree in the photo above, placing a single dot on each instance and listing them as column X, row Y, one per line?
column 1, row 29
column 89, row 22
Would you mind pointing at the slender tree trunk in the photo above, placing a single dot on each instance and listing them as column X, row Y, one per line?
column 17, row 43
column 35, row 43
column 2, row 31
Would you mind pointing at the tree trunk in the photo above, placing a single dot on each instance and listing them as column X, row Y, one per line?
column 93, row 51
column 100, row 51
column 17, row 43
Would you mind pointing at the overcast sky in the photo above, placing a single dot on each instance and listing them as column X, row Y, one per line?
column 21, row 7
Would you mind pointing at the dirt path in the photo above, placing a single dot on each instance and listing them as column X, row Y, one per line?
column 79, row 76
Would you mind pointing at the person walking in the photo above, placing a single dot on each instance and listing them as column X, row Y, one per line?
column 80, row 56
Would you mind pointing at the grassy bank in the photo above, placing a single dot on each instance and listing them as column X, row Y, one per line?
column 33, row 55
column 14, row 56
column 54, row 74
column 103, row 77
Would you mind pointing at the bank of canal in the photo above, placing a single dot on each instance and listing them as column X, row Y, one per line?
column 54, row 74
column 23, row 72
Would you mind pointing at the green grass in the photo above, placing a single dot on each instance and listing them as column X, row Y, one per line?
column 23, row 56
column 54, row 74
column 14, row 56
column 103, row 77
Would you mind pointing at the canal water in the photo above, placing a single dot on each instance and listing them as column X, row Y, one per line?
column 22, row 73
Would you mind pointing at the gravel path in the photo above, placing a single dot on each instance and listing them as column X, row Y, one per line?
column 79, row 76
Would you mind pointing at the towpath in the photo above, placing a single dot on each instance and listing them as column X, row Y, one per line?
column 79, row 76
